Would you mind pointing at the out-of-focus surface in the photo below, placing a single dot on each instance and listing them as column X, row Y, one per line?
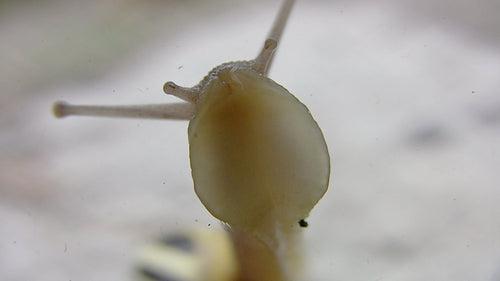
column 406, row 92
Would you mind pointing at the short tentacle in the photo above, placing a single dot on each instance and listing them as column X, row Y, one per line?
column 188, row 94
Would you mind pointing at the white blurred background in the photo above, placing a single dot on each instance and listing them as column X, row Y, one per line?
column 406, row 92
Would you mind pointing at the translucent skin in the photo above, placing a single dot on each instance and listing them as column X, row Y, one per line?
column 259, row 160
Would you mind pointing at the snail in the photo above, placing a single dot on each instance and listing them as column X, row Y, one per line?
column 259, row 160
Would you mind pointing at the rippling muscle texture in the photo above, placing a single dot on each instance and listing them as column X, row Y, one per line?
column 257, row 155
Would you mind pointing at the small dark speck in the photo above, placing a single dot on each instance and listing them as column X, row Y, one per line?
column 208, row 224
column 303, row 223
column 180, row 66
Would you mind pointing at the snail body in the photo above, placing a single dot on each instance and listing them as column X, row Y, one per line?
column 256, row 153
column 259, row 160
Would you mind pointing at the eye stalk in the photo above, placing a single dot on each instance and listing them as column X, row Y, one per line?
column 172, row 111
column 183, row 111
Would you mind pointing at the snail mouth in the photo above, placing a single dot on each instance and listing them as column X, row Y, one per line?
column 230, row 80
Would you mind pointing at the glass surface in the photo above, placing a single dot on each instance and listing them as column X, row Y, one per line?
column 406, row 93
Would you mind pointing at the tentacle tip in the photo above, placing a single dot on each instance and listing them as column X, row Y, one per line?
column 59, row 109
column 270, row 44
column 169, row 87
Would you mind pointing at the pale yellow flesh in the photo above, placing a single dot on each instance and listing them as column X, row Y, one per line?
column 258, row 158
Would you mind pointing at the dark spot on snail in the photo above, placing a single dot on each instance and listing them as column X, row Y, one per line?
column 303, row 223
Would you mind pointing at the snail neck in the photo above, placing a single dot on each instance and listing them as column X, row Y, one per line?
column 271, row 252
